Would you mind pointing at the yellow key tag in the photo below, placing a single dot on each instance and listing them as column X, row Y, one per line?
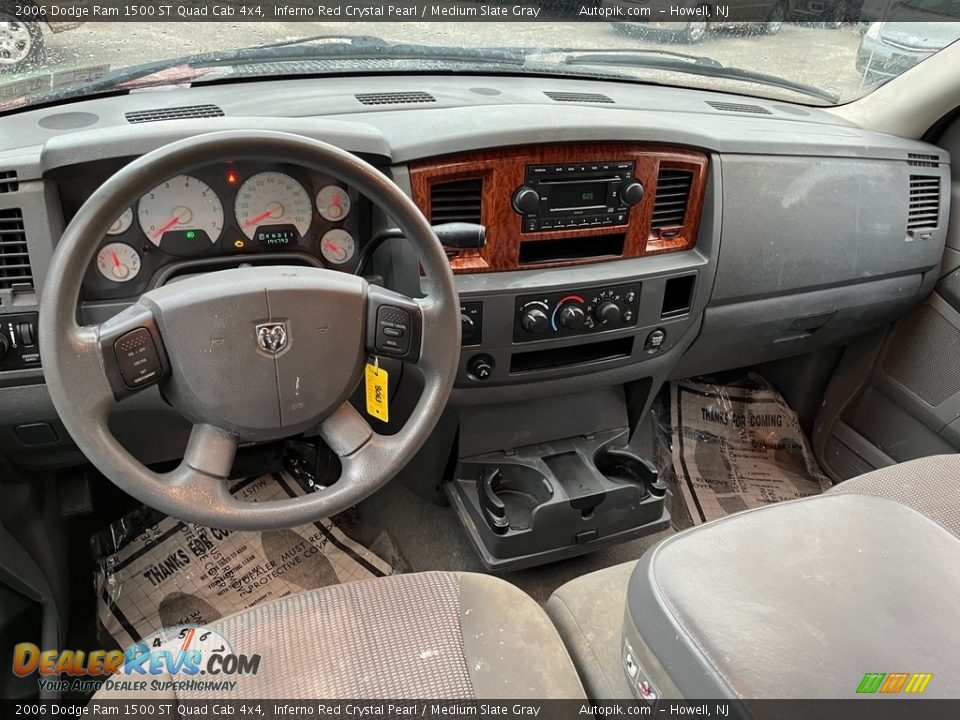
column 377, row 404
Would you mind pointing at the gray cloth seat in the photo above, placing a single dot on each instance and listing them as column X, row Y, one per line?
column 425, row 635
column 799, row 599
column 930, row 485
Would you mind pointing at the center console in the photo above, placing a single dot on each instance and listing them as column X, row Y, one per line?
column 594, row 265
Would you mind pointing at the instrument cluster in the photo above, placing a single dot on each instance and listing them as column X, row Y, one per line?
column 234, row 209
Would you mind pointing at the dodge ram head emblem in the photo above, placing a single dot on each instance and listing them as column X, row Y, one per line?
column 272, row 336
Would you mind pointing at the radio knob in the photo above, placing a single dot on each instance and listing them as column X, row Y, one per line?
column 607, row 313
column 631, row 192
column 535, row 321
column 572, row 317
column 526, row 200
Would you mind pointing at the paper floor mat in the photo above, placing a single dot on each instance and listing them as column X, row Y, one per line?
column 736, row 448
column 156, row 571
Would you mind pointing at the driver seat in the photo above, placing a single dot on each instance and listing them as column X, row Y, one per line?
column 440, row 635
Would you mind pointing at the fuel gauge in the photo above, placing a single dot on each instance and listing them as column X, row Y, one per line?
column 118, row 262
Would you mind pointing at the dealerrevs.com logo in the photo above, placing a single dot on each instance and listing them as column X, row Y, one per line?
column 176, row 659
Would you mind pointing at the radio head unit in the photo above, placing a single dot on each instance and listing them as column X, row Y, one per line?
column 557, row 197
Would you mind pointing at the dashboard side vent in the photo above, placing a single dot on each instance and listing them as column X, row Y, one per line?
column 14, row 258
column 924, row 208
column 670, row 201
column 922, row 160
column 395, row 98
column 456, row 201
column 578, row 97
column 8, row 181
column 174, row 113
column 738, row 108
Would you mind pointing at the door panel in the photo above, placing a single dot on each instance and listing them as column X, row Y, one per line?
column 896, row 396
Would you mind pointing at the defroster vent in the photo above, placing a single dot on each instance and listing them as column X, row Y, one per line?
column 395, row 98
column 456, row 201
column 175, row 113
column 14, row 258
column 578, row 97
column 672, row 196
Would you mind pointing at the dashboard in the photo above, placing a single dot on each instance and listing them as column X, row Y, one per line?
column 646, row 233
column 218, row 216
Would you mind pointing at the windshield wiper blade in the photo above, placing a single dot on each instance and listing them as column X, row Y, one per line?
column 633, row 52
column 680, row 62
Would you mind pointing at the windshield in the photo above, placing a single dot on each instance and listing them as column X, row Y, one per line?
column 819, row 53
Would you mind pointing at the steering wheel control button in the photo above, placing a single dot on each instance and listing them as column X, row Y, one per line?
column 481, row 367
column 137, row 358
column 393, row 330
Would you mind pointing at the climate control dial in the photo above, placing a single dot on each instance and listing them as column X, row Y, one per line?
column 571, row 317
column 569, row 313
column 534, row 320
column 607, row 313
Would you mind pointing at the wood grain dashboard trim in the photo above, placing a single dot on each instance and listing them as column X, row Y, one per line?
column 502, row 171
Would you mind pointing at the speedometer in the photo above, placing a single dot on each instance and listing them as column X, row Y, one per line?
column 182, row 216
column 270, row 203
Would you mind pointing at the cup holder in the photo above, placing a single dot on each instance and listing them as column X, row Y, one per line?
column 551, row 501
column 621, row 465
column 509, row 494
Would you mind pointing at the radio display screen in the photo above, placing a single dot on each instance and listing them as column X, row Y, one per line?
column 578, row 195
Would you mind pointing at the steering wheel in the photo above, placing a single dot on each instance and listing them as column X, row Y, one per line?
column 247, row 354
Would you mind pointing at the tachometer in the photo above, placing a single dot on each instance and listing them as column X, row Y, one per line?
column 337, row 246
column 272, row 200
column 118, row 262
column 333, row 203
column 122, row 223
column 182, row 216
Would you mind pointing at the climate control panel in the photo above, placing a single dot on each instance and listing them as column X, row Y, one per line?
column 579, row 312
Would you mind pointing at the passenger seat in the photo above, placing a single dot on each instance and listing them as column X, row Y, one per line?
column 800, row 599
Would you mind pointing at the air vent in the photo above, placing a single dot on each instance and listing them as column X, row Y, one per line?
column 457, row 201
column 924, row 211
column 670, row 202
column 14, row 258
column 8, row 181
column 395, row 98
column 738, row 108
column 578, row 97
column 174, row 113
column 922, row 160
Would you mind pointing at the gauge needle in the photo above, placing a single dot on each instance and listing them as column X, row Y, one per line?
column 169, row 224
column 258, row 218
column 116, row 260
